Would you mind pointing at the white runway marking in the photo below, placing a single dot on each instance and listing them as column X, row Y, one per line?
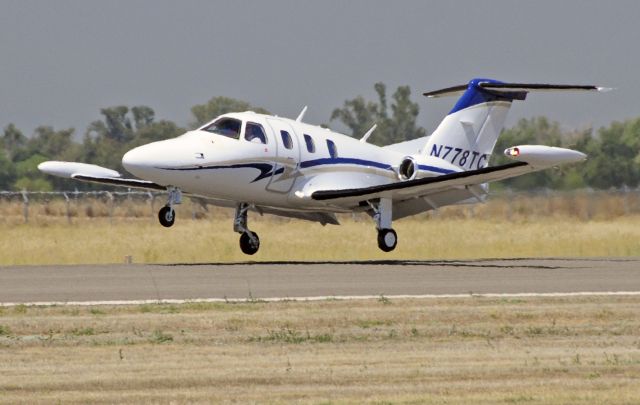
column 320, row 298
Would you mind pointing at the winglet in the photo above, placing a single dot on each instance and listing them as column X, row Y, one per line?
column 368, row 134
column 301, row 115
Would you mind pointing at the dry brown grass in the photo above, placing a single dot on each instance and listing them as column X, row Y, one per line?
column 575, row 224
column 454, row 351
column 212, row 240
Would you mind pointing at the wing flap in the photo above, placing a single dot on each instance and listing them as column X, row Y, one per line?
column 117, row 181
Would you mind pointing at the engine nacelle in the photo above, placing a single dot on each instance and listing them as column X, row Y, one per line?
column 408, row 169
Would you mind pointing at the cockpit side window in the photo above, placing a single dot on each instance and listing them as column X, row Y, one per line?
column 254, row 133
column 229, row 127
column 311, row 147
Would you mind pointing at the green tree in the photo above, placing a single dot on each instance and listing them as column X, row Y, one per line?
column 613, row 156
column 12, row 141
column 115, row 125
column 7, row 172
column 217, row 106
column 58, row 145
column 143, row 116
column 28, row 177
column 359, row 116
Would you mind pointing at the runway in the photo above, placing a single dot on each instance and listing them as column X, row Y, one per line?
column 308, row 280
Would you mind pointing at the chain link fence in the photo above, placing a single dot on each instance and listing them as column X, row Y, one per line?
column 30, row 205
column 586, row 204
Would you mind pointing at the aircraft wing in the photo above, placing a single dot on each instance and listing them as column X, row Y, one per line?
column 528, row 158
column 95, row 174
column 425, row 186
column 102, row 175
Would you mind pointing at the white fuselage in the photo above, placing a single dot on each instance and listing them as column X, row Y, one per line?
column 279, row 172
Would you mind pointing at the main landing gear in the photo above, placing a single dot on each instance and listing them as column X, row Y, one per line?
column 387, row 237
column 167, row 215
column 249, row 241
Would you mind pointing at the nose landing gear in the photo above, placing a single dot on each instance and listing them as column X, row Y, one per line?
column 167, row 215
column 249, row 241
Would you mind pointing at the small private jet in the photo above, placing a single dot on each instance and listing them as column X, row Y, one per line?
column 274, row 165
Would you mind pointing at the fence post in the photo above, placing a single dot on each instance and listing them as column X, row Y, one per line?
column 25, row 206
column 625, row 191
column 152, row 200
column 67, row 204
column 509, row 204
column 111, row 206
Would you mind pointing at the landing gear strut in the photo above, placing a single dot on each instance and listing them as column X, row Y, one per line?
column 387, row 237
column 167, row 215
column 249, row 241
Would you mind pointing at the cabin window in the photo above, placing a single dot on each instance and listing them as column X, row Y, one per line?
column 286, row 140
column 228, row 127
column 254, row 133
column 311, row 147
column 333, row 151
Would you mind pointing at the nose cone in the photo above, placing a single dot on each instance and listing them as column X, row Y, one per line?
column 138, row 161
column 154, row 160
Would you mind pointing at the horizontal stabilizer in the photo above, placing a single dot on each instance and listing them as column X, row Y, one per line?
column 529, row 87
column 497, row 87
column 449, row 91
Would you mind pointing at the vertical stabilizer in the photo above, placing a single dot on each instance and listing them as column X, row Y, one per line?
column 467, row 135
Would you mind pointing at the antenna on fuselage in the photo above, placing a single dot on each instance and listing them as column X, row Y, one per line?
column 301, row 115
column 368, row 134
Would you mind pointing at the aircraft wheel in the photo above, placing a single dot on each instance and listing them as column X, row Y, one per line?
column 387, row 239
column 249, row 245
column 167, row 216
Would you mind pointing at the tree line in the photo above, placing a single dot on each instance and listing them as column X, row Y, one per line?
column 614, row 151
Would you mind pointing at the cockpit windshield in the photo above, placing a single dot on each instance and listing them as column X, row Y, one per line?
column 229, row 127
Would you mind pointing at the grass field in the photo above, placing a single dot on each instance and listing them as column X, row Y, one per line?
column 440, row 351
column 212, row 240
column 519, row 225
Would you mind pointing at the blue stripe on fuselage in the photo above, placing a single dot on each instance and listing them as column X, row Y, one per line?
column 362, row 162
column 266, row 169
column 344, row 161
column 436, row 169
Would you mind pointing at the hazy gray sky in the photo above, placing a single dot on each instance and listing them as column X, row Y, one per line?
column 61, row 61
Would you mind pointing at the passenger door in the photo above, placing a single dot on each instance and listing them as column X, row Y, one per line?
column 287, row 157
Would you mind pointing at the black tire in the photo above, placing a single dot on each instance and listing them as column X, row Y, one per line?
column 247, row 245
column 167, row 216
column 387, row 240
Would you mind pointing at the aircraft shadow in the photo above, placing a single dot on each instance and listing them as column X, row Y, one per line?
column 490, row 263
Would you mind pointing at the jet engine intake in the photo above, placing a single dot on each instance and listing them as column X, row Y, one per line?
column 408, row 169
